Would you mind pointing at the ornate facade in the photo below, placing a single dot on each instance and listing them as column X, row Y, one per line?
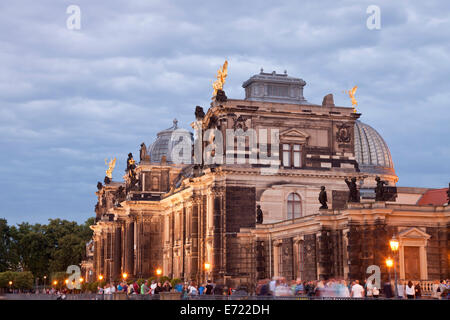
column 198, row 221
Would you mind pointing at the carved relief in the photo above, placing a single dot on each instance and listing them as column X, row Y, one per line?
column 240, row 122
column 343, row 133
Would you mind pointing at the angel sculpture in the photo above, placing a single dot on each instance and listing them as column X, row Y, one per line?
column 221, row 75
column 351, row 94
column 111, row 165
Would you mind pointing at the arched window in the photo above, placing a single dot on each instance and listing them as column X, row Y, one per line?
column 294, row 209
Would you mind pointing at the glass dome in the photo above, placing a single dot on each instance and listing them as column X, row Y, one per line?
column 371, row 151
column 165, row 142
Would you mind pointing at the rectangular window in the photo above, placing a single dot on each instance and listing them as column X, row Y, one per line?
column 286, row 155
column 296, row 156
column 292, row 155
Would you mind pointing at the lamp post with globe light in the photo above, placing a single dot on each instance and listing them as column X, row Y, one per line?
column 394, row 244
column 207, row 269
column 389, row 264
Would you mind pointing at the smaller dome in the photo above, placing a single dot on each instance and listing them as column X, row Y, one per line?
column 371, row 151
column 165, row 142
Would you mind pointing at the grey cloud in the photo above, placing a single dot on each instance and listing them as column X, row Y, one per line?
column 70, row 99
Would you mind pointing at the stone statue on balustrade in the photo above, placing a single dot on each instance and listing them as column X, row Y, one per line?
column 323, row 198
column 379, row 189
column 353, row 190
column 259, row 214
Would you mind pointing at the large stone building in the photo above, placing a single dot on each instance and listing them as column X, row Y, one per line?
column 199, row 220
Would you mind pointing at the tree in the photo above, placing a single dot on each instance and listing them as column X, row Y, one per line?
column 20, row 280
column 42, row 249
column 5, row 246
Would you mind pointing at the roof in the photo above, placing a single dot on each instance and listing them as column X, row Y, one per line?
column 371, row 151
column 435, row 197
column 274, row 87
column 166, row 141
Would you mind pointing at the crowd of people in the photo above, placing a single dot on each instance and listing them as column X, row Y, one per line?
column 154, row 287
column 339, row 288
column 276, row 287
column 279, row 287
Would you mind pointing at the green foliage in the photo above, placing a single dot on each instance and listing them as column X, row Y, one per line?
column 164, row 279
column 92, row 287
column 42, row 249
column 175, row 281
column 20, row 280
column 8, row 259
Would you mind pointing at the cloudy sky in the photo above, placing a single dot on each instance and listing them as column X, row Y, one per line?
column 71, row 98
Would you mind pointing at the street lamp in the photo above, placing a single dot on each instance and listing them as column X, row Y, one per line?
column 100, row 277
column 124, row 276
column 10, row 285
column 207, row 268
column 393, row 243
column 158, row 271
column 389, row 263
column 45, row 278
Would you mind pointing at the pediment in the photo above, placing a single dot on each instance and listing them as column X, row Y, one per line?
column 294, row 135
column 414, row 233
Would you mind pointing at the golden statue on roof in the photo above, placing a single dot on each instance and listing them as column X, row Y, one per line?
column 221, row 75
column 111, row 165
column 351, row 94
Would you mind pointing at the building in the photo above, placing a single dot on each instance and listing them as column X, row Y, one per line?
column 199, row 220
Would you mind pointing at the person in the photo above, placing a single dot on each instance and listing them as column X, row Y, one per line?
column 343, row 290
column 179, row 287
column 357, row 290
column 119, row 287
column 158, row 288
column 299, row 289
column 436, row 294
column 418, row 291
column 131, row 289
column 209, row 287
column 369, row 289
column 401, row 289
column 409, row 290
column 387, row 290
column 192, row 289
column 218, row 290
column 99, row 290
column 201, row 289
column 319, row 289
column 310, row 289
column 113, row 288
column 272, row 285
column 375, row 292
column 443, row 289
column 153, row 286
column 144, row 288
column 282, row 289
column 167, row 287
column 136, row 287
